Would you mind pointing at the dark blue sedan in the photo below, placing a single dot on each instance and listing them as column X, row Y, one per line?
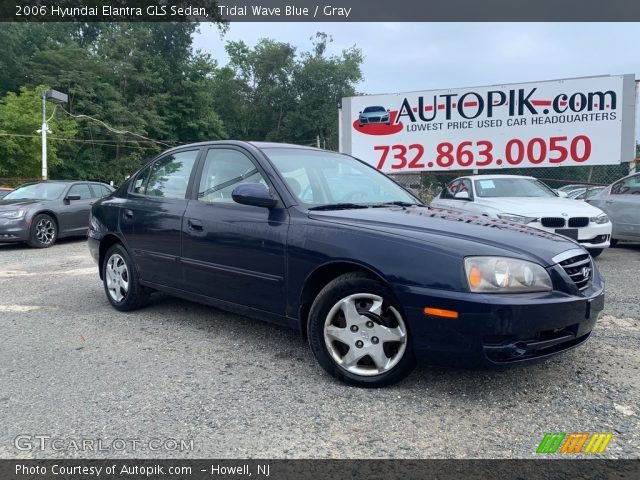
column 326, row 244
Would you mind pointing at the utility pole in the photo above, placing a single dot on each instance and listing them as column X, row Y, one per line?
column 43, row 130
column 56, row 97
column 339, row 105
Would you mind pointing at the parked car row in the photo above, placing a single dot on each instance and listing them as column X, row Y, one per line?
column 326, row 244
column 494, row 273
column 39, row 213
column 527, row 201
column 621, row 202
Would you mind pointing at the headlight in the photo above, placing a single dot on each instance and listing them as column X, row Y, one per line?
column 505, row 275
column 600, row 219
column 12, row 214
column 509, row 217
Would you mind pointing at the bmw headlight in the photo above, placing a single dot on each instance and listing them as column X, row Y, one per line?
column 13, row 214
column 505, row 275
column 510, row 217
column 600, row 219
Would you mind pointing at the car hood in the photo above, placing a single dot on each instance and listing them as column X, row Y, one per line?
column 450, row 230
column 17, row 203
column 540, row 207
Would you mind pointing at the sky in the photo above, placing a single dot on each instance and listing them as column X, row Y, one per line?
column 402, row 57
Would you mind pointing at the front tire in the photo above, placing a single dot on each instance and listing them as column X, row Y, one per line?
column 120, row 280
column 358, row 333
column 43, row 232
column 594, row 252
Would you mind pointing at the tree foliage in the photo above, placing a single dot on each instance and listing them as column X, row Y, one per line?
column 147, row 79
column 21, row 114
column 270, row 92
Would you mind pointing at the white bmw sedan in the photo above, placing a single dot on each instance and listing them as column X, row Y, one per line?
column 528, row 201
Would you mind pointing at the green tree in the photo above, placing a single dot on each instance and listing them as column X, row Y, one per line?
column 269, row 92
column 254, row 91
column 319, row 83
column 20, row 145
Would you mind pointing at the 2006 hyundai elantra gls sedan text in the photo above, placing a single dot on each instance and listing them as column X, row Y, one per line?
column 326, row 244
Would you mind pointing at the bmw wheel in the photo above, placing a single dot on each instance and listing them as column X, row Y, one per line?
column 44, row 231
column 120, row 280
column 358, row 333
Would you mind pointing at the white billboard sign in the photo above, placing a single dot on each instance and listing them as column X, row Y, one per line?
column 582, row 121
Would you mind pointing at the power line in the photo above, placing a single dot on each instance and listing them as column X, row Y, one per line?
column 106, row 142
column 111, row 129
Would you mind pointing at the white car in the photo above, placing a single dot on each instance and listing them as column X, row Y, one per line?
column 527, row 201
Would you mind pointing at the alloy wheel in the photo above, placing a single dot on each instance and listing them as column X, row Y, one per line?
column 117, row 276
column 45, row 231
column 365, row 335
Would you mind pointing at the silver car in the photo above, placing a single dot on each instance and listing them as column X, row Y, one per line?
column 621, row 202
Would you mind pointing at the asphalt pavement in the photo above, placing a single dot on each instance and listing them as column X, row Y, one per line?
column 179, row 379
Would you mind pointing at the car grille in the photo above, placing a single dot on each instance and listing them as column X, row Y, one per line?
column 578, row 222
column 579, row 269
column 552, row 222
column 374, row 119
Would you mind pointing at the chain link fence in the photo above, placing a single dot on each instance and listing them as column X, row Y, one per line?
column 428, row 184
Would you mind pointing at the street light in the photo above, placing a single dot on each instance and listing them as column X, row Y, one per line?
column 55, row 97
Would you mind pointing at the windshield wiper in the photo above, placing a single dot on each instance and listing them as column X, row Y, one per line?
column 397, row 204
column 339, row 206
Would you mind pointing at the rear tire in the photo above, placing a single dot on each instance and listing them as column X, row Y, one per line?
column 595, row 252
column 120, row 280
column 43, row 232
column 358, row 333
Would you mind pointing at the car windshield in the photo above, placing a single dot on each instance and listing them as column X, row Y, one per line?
column 325, row 178
column 374, row 109
column 37, row 191
column 511, row 187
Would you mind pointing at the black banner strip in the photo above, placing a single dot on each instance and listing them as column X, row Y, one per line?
column 115, row 469
column 321, row 11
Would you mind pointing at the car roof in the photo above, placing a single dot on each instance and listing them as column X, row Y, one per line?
column 281, row 145
column 490, row 177
column 255, row 144
column 67, row 182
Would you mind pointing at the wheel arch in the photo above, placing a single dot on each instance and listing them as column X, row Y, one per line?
column 320, row 277
column 108, row 241
column 51, row 213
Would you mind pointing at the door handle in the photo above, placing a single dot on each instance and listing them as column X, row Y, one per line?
column 128, row 214
column 609, row 201
column 195, row 225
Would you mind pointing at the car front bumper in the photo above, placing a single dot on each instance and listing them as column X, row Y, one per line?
column 14, row 230
column 594, row 235
column 494, row 330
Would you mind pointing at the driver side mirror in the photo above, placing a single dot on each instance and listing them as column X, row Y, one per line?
column 462, row 196
column 561, row 194
column 72, row 197
column 255, row 194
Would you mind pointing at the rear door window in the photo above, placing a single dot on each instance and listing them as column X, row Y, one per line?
column 169, row 176
column 82, row 190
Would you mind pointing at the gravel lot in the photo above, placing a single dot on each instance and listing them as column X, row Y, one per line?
column 72, row 367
